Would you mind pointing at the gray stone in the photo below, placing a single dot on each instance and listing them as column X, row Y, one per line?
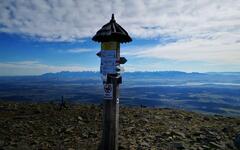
column 1, row 143
column 69, row 129
column 218, row 146
column 145, row 144
column 157, row 117
column 80, row 118
column 179, row 134
column 66, row 140
column 145, row 120
column 122, row 146
column 177, row 146
column 24, row 146
column 237, row 141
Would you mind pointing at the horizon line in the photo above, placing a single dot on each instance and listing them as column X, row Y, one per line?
column 156, row 71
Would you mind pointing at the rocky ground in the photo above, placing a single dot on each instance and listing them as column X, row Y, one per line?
column 43, row 126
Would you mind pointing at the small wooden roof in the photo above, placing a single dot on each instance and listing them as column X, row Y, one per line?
column 112, row 32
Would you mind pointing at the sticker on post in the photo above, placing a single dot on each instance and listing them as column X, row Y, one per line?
column 108, row 91
column 108, row 53
column 108, row 62
column 104, row 78
column 104, row 70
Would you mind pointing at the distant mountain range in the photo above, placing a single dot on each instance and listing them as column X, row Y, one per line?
column 233, row 77
column 166, row 76
column 91, row 74
column 68, row 74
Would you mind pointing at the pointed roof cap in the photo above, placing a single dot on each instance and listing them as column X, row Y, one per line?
column 112, row 31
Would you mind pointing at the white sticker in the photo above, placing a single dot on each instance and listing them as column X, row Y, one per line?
column 104, row 78
column 108, row 91
column 108, row 62
column 107, row 70
column 108, row 53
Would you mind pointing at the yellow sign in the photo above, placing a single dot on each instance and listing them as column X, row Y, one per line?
column 110, row 46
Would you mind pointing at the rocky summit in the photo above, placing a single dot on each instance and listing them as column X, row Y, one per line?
column 25, row 126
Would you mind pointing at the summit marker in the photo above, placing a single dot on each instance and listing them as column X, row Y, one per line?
column 110, row 36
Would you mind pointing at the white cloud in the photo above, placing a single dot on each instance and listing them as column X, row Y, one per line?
column 214, row 50
column 207, row 30
column 36, row 68
column 198, row 67
column 66, row 20
column 78, row 50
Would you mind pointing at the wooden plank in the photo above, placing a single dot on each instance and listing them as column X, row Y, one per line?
column 111, row 108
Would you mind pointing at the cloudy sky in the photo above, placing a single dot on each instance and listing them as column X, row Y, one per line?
column 39, row 36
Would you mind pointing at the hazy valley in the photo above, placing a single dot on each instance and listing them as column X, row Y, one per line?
column 216, row 93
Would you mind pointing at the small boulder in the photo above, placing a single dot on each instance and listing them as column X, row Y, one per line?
column 1, row 143
column 218, row 146
column 80, row 118
column 237, row 141
column 69, row 129
column 145, row 144
column 177, row 146
column 181, row 134
column 145, row 120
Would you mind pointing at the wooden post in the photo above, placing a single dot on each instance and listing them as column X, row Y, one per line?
column 111, row 107
column 110, row 36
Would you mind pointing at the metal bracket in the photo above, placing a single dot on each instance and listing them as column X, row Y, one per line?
column 111, row 77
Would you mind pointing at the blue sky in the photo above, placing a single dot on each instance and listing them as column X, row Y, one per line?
column 43, row 36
